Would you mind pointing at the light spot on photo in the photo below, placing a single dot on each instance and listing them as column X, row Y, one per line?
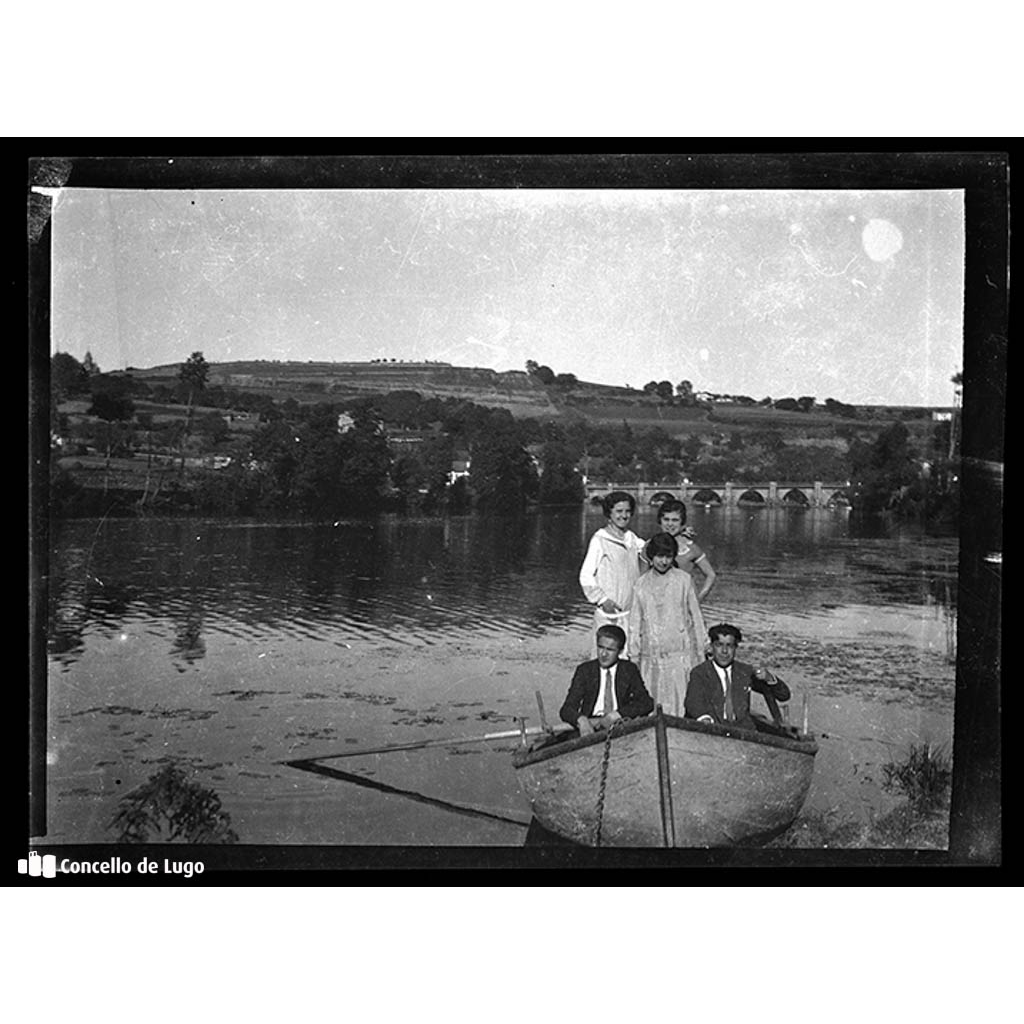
column 882, row 240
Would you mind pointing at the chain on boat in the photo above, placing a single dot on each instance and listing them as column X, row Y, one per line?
column 604, row 782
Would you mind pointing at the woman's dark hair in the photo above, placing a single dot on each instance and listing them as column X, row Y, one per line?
column 661, row 544
column 610, row 500
column 673, row 505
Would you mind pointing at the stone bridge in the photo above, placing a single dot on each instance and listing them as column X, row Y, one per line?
column 773, row 494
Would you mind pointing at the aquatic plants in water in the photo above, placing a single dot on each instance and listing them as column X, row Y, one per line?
column 923, row 777
column 169, row 808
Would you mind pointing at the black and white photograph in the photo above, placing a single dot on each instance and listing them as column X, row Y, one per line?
column 493, row 511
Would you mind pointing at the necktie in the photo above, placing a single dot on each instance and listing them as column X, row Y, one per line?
column 609, row 692
column 728, row 695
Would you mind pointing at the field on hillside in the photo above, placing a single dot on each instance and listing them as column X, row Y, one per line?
column 524, row 396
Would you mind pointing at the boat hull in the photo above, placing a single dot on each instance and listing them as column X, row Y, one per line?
column 726, row 786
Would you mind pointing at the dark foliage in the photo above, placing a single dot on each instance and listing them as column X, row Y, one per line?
column 923, row 777
column 170, row 808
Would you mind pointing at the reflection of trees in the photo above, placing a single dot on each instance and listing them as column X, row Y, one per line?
column 410, row 575
column 67, row 615
column 79, row 593
column 188, row 638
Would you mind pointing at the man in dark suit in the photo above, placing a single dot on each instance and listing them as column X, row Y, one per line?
column 605, row 690
column 719, row 689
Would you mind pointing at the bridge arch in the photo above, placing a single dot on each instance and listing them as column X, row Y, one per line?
column 788, row 493
column 751, row 496
column 706, row 496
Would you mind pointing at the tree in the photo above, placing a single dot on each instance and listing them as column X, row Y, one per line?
column 684, row 389
column 691, row 449
column 664, row 390
column 67, row 377
column 651, row 387
column 213, row 427
column 805, row 403
column 545, row 375
column 193, row 374
column 565, row 380
column 365, row 464
column 560, row 483
column 840, row 409
column 275, row 453
column 169, row 807
column 882, row 472
column 89, row 366
column 111, row 407
column 317, row 487
column 501, row 473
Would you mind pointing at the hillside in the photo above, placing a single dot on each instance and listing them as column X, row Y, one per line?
column 523, row 395
column 317, row 382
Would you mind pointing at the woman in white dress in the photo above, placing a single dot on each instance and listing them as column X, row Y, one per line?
column 613, row 565
column 666, row 625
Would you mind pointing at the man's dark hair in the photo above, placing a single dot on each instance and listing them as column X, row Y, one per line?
column 616, row 633
column 725, row 629
column 609, row 501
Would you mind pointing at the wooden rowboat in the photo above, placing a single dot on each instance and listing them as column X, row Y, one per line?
column 667, row 781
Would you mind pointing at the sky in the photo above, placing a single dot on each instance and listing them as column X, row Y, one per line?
column 852, row 295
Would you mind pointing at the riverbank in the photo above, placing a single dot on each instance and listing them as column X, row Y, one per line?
column 243, row 711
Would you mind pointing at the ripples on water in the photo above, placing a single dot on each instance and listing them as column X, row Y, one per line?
column 234, row 640
column 429, row 581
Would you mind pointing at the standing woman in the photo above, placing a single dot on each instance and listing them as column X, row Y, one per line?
column 672, row 519
column 666, row 625
column 612, row 564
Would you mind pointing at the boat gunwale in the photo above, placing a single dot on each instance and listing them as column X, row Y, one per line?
column 523, row 759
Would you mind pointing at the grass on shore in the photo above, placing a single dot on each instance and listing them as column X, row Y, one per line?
column 920, row 822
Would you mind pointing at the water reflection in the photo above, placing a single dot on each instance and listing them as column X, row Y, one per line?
column 189, row 645
column 422, row 580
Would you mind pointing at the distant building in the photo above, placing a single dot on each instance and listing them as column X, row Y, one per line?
column 942, row 416
column 345, row 423
column 460, row 468
column 401, row 438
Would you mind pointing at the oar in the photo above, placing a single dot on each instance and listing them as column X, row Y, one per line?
column 389, row 748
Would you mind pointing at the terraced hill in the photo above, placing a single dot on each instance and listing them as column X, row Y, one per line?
column 514, row 390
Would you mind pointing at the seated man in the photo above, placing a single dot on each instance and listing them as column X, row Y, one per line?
column 719, row 688
column 605, row 690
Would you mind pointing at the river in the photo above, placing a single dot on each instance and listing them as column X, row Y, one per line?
column 230, row 648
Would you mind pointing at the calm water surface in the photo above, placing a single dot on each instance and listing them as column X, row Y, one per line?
column 231, row 647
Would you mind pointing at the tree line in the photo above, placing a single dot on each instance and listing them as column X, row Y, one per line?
column 349, row 457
